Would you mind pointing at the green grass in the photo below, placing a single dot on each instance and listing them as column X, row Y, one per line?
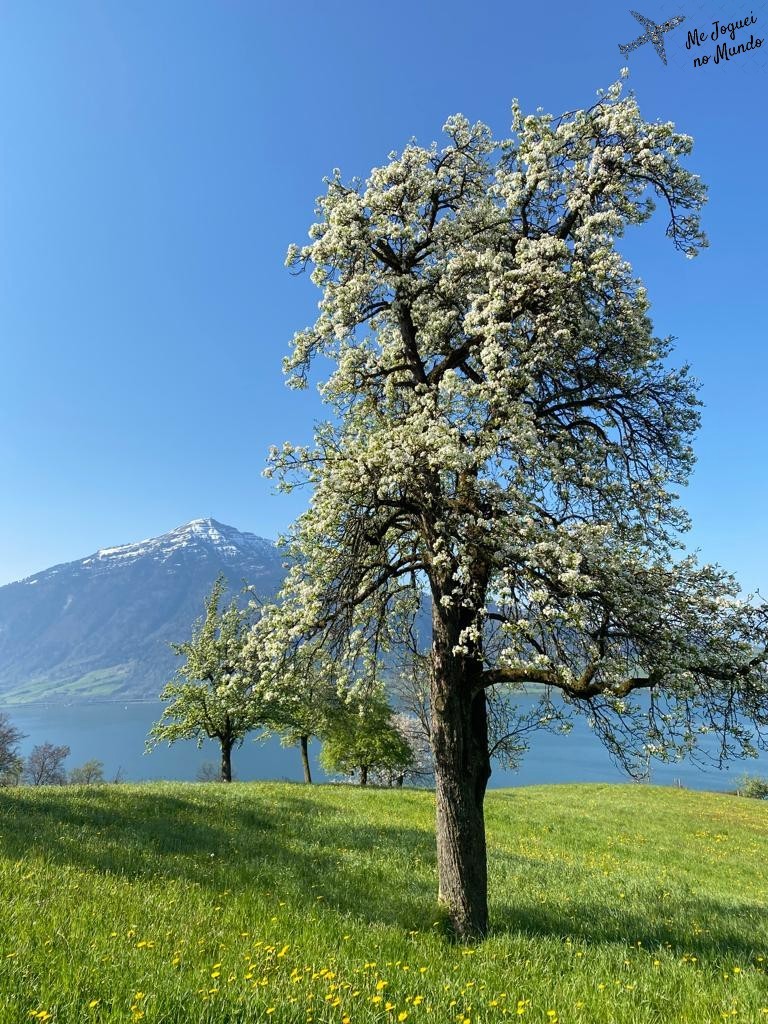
column 100, row 684
column 190, row 903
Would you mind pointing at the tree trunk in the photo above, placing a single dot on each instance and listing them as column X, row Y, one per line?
column 303, row 744
column 363, row 774
column 399, row 781
column 226, row 760
column 462, row 769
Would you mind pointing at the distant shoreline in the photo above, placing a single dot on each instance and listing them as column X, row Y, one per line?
column 80, row 703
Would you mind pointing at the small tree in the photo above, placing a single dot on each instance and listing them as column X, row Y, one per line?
column 45, row 765
column 11, row 765
column 410, row 687
column 13, row 773
column 300, row 697
column 421, row 767
column 89, row 774
column 208, row 772
column 361, row 737
column 753, row 786
column 214, row 692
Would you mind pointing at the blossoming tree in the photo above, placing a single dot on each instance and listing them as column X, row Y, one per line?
column 302, row 695
column 217, row 692
column 506, row 436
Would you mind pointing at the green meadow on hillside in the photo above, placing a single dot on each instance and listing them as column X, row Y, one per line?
column 97, row 685
column 181, row 903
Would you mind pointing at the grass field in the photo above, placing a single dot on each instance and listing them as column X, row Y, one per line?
column 274, row 902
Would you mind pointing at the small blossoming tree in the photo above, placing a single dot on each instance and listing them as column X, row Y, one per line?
column 507, row 436
column 302, row 696
column 215, row 692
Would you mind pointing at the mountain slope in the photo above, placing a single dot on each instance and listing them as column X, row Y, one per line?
column 100, row 626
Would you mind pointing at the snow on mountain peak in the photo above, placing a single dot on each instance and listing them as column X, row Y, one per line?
column 197, row 538
column 196, row 534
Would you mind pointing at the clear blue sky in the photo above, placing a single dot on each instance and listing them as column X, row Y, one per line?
column 156, row 159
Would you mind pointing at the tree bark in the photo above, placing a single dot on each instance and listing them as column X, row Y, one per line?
column 303, row 744
column 462, row 769
column 226, row 759
column 363, row 774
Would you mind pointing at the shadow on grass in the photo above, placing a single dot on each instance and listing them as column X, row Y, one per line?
column 280, row 842
column 219, row 838
column 727, row 929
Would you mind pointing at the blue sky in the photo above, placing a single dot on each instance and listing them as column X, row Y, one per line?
column 156, row 159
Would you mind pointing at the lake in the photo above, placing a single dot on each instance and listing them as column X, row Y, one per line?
column 114, row 733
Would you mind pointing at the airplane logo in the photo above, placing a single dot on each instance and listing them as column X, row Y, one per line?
column 653, row 34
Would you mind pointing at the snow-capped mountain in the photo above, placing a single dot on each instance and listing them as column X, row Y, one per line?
column 198, row 538
column 100, row 627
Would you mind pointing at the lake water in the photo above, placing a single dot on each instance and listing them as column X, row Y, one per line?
column 114, row 733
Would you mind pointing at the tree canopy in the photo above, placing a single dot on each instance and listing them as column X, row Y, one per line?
column 11, row 764
column 507, row 435
column 45, row 765
column 215, row 692
column 302, row 695
column 91, row 773
column 361, row 738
